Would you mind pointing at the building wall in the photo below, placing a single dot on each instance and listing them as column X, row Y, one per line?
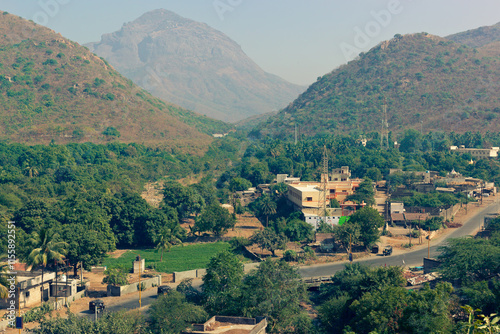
column 308, row 194
column 315, row 220
column 304, row 195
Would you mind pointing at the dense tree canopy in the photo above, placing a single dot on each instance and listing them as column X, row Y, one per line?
column 214, row 218
column 222, row 285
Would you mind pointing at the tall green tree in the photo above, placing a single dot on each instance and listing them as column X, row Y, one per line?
column 46, row 249
column 369, row 221
column 171, row 314
column 469, row 260
column 347, row 234
column 185, row 200
column 85, row 248
column 269, row 239
column 222, row 285
column 364, row 193
column 167, row 238
column 275, row 291
column 214, row 218
column 266, row 207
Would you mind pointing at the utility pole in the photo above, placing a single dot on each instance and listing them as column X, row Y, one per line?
column 140, row 287
column 55, row 262
column 429, row 244
column 19, row 303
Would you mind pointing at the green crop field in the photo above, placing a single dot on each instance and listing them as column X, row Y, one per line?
column 180, row 258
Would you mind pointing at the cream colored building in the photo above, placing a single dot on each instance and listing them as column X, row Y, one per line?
column 310, row 194
column 479, row 153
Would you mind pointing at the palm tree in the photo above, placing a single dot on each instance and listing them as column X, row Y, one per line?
column 31, row 171
column 46, row 249
column 267, row 207
column 166, row 239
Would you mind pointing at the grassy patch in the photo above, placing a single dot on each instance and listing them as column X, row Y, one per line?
column 180, row 258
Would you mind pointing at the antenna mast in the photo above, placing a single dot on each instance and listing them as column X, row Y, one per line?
column 324, row 182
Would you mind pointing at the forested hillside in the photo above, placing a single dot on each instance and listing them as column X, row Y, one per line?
column 427, row 82
column 54, row 89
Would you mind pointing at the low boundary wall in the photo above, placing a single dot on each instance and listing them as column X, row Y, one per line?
column 126, row 289
column 199, row 273
column 430, row 265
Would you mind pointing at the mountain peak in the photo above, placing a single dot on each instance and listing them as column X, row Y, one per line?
column 158, row 17
column 194, row 66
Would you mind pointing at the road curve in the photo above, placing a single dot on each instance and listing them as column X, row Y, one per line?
column 410, row 258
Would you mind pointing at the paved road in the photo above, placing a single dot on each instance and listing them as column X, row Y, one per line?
column 412, row 258
column 129, row 303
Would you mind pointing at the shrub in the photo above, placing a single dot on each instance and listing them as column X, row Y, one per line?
column 290, row 255
column 112, row 132
column 238, row 243
column 110, row 96
column 50, row 62
column 37, row 313
column 115, row 276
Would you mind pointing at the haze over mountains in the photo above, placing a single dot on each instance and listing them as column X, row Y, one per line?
column 54, row 89
column 429, row 83
column 194, row 66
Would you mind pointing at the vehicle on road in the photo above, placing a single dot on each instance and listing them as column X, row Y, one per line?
column 96, row 305
column 163, row 289
column 387, row 250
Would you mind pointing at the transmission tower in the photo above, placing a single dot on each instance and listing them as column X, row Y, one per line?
column 324, row 184
column 384, row 133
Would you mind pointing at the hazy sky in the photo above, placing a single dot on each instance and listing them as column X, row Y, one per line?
column 298, row 40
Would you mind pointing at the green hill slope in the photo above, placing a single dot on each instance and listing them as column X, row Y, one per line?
column 52, row 89
column 429, row 83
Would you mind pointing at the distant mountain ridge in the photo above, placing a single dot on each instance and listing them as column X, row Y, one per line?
column 430, row 84
column 194, row 66
column 479, row 37
column 52, row 89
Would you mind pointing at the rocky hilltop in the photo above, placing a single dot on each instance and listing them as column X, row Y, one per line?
column 194, row 66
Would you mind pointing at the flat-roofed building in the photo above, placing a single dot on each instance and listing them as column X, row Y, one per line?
column 479, row 153
column 310, row 194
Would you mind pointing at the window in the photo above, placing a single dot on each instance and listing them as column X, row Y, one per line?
column 309, row 199
column 26, row 294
